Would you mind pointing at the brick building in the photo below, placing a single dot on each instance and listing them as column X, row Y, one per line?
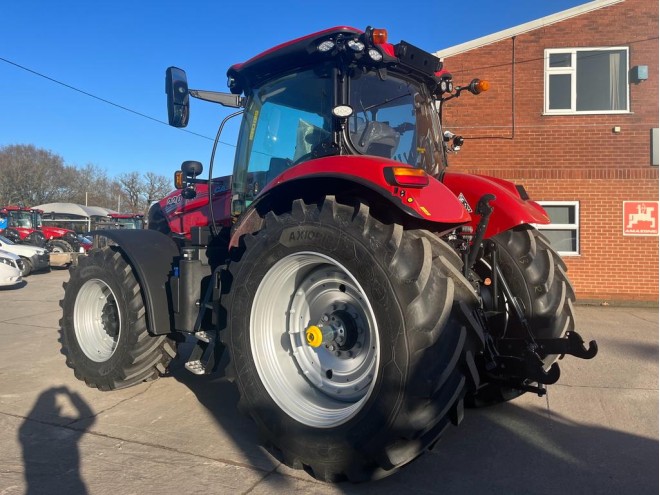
column 572, row 114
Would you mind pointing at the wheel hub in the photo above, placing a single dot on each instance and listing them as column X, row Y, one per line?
column 314, row 339
column 337, row 332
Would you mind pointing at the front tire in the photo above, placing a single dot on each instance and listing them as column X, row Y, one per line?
column 27, row 267
column 103, row 329
column 389, row 375
column 60, row 246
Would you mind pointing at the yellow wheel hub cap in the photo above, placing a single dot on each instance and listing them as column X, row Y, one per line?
column 314, row 336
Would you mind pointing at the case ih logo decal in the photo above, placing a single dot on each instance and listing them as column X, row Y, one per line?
column 640, row 218
column 465, row 203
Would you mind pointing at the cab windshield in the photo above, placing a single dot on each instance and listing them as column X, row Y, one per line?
column 21, row 218
column 289, row 120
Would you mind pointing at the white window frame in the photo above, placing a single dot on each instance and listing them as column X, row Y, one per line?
column 564, row 226
column 572, row 70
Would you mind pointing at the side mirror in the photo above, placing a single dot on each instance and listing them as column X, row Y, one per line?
column 178, row 105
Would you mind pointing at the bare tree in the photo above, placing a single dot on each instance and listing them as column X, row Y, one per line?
column 133, row 188
column 156, row 187
column 32, row 176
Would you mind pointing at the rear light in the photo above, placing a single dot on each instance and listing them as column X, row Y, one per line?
column 355, row 45
column 406, row 176
column 375, row 55
column 326, row 46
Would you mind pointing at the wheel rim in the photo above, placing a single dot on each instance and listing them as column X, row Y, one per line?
column 97, row 320
column 321, row 386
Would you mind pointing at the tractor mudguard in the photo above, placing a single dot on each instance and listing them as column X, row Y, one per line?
column 151, row 254
column 509, row 208
column 431, row 203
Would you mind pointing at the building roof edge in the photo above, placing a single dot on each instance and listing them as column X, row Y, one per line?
column 526, row 27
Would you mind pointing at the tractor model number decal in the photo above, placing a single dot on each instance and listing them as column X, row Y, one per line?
column 172, row 203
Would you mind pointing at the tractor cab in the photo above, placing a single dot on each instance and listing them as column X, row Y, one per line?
column 341, row 91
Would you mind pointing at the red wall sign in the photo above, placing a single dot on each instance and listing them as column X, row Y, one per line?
column 640, row 218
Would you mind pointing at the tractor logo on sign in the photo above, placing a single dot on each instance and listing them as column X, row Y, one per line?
column 640, row 218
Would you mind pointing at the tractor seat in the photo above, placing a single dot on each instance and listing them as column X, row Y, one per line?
column 376, row 138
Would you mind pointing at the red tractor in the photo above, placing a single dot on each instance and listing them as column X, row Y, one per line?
column 364, row 293
column 25, row 225
column 17, row 225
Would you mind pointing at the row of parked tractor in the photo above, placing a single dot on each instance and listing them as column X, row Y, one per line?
column 29, row 245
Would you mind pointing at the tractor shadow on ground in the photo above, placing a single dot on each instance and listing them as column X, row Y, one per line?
column 517, row 447
column 220, row 398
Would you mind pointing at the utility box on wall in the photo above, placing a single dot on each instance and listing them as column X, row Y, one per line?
column 655, row 144
column 639, row 73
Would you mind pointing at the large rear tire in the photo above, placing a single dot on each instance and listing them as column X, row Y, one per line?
column 103, row 329
column 389, row 375
column 537, row 277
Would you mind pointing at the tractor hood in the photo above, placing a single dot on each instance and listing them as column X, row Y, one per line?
column 53, row 232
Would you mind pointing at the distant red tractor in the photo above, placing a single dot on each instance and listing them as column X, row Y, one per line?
column 120, row 221
column 364, row 294
column 16, row 225
column 25, row 225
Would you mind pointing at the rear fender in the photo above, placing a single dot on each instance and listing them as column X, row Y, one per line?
column 509, row 208
column 151, row 255
column 432, row 203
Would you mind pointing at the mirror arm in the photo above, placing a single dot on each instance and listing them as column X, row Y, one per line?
column 190, row 180
column 225, row 99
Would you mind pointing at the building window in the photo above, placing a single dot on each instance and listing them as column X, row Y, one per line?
column 586, row 80
column 564, row 230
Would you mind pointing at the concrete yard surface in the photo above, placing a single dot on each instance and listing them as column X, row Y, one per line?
column 596, row 431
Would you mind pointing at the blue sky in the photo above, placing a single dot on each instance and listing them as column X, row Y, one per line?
column 119, row 50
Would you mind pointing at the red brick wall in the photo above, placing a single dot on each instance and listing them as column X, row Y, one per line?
column 575, row 157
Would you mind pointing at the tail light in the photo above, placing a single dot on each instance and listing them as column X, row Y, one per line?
column 406, row 176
